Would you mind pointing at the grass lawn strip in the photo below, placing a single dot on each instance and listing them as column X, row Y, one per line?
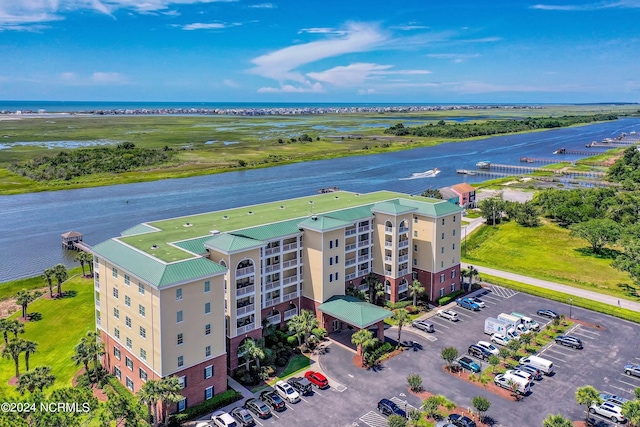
column 10, row 289
column 297, row 364
column 63, row 323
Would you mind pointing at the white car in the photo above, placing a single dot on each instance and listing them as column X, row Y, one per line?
column 500, row 339
column 489, row 347
column 478, row 301
column 222, row 419
column 287, row 392
column 448, row 314
column 608, row 410
column 518, row 373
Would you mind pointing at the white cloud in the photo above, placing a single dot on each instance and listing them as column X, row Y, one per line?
column 263, row 6
column 231, row 83
column 209, row 26
column 409, row 27
column 483, row 40
column 97, row 78
column 316, row 88
column 322, row 30
column 366, row 91
column 456, row 58
column 17, row 13
column 348, row 75
column 622, row 4
column 102, row 78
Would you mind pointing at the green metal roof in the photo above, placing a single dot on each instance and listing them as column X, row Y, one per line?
column 354, row 311
column 352, row 214
column 440, row 208
column 138, row 229
column 230, row 243
column 270, row 231
column 152, row 270
column 393, row 207
column 323, row 223
column 195, row 246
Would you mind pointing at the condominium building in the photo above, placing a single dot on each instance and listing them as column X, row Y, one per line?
column 178, row 297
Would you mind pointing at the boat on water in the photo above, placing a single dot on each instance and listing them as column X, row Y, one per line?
column 426, row 174
column 484, row 164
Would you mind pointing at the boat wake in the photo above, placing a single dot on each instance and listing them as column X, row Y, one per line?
column 427, row 174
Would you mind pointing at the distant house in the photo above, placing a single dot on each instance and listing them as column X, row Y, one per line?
column 450, row 195
column 467, row 195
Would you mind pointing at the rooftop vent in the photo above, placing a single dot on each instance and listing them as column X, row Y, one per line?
column 357, row 194
column 188, row 224
column 225, row 217
column 250, row 212
column 314, row 218
column 215, row 232
column 310, row 202
column 154, row 246
column 281, row 207
column 336, row 197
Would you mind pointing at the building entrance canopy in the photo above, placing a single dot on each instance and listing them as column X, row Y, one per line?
column 354, row 311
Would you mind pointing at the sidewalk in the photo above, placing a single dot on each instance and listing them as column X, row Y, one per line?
column 594, row 296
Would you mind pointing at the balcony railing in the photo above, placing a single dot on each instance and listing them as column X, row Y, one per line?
column 288, row 314
column 246, row 290
column 97, row 303
column 271, row 302
column 403, row 258
column 362, row 243
column 363, row 229
column 351, row 247
column 363, row 288
column 271, row 251
column 290, row 296
column 98, row 322
column 403, row 287
column 349, row 262
column 290, row 263
column 349, row 232
column 246, row 328
column 387, row 272
column 388, row 258
column 388, row 244
column 245, row 271
column 272, row 285
column 275, row 319
column 272, row 267
column 290, row 247
column 364, row 258
column 291, row 279
column 388, row 229
column 246, row 309
column 350, row 276
column 403, row 272
column 364, row 272
column 403, row 230
column 387, row 289
column 403, row 243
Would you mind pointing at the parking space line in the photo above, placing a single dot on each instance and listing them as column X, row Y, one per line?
column 492, row 299
column 556, row 350
column 463, row 314
column 303, row 399
column 629, row 377
column 289, row 406
column 373, row 419
column 554, row 357
column 315, row 392
column 626, row 390
column 439, row 324
column 257, row 421
column 588, row 332
column 274, row 414
column 576, row 332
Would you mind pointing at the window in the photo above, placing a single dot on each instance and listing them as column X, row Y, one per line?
column 127, row 301
column 127, row 321
column 115, row 272
column 336, row 243
column 180, row 339
column 180, row 361
column 207, row 329
column 128, row 362
column 453, row 246
column 182, row 405
column 454, row 218
column 453, row 287
column 143, row 354
column 207, row 308
column 116, row 353
column 115, row 293
column 116, row 333
column 143, row 332
column 182, row 381
column 415, row 248
column 141, row 288
column 442, row 250
column 337, row 259
column 116, row 312
column 178, row 294
column 143, row 374
column 208, row 372
column 141, row 310
column 117, row 373
column 454, row 232
column 415, row 233
column 330, row 244
column 129, row 345
column 127, row 280
column 129, row 384
column 415, row 261
column 336, row 276
column 453, row 274
column 208, row 393
column 207, row 351
column 331, row 277
column 441, row 292
column 442, row 221
column 179, row 316
column 441, row 278
column 207, row 286
column 442, row 236
column 330, row 260
column 441, row 264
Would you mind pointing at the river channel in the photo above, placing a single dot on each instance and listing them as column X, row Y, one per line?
column 31, row 224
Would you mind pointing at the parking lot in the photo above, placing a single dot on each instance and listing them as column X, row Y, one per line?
column 351, row 400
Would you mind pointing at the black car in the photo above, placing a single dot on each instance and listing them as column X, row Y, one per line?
column 387, row 407
column 461, row 421
column 272, row 399
column 258, row 407
column 301, row 385
column 548, row 313
column 243, row 417
column 569, row 341
column 535, row 372
column 478, row 352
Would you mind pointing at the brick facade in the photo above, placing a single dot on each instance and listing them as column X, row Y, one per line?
column 234, row 343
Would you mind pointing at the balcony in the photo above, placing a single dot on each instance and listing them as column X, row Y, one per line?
column 350, row 276
column 245, row 271
column 403, row 287
column 272, row 285
column 272, row 267
column 403, row 272
column 349, row 248
column 387, row 272
column 349, row 262
column 364, row 272
column 288, row 280
column 388, row 244
column 388, row 258
column 271, row 302
column 388, row 229
column 364, row 258
column 288, row 314
column 362, row 243
column 363, row 229
column 364, row 288
column 290, row 263
column 246, row 328
column 98, row 322
column 246, row 309
column 290, row 247
column 349, row 232
column 290, row 296
column 403, row 258
column 97, row 286
column 403, row 244
column 403, row 230
column 275, row 319
column 246, row 290
column 387, row 289
column 271, row 251
column 97, row 303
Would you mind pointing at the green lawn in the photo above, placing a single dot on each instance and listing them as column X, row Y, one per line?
column 298, row 363
column 9, row 289
column 547, row 252
column 63, row 323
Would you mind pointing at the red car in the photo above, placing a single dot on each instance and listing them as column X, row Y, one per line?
column 317, row 379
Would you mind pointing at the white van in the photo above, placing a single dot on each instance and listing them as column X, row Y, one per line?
column 545, row 366
column 505, row 381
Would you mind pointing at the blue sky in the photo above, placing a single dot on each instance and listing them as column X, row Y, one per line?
column 331, row 51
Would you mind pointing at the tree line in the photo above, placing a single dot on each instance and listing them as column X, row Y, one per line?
column 70, row 164
column 493, row 127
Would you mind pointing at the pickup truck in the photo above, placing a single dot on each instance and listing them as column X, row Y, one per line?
column 468, row 304
column 448, row 314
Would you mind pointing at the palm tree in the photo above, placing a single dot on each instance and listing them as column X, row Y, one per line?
column 24, row 298
column 295, row 325
column 525, row 339
column 87, row 350
column 81, row 355
column 363, row 339
column 14, row 326
column 89, row 260
column 309, row 322
column 40, row 378
column 48, row 275
column 401, row 316
column 60, row 273
column 81, row 257
column 587, row 396
column 12, row 351
column 378, row 291
column 631, row 410
column 415, row 288
column 29, row 348
column 556, row 421
column 150, row 394
column 251, row 351
column 169, row 393
column 472, row 273
column 5, row 331
column 504, row 353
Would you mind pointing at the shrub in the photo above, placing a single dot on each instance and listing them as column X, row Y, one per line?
column 415, row 382
column 396, row 305
column 411, row 309
column 281, row 362
column 292, row 340
column 319, row 333
column 448, row 298
column 210, row 405
column 397, row 421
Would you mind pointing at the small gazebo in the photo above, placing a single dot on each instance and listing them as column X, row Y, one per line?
column 70, row 238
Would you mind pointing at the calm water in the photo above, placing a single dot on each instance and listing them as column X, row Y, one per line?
column 31, row 224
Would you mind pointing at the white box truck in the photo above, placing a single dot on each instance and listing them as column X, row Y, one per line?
column 527, row 321
column 515, row 322
column 495, row 326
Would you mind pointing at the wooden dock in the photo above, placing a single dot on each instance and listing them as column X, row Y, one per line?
column 541, row 160
column 72, row 240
